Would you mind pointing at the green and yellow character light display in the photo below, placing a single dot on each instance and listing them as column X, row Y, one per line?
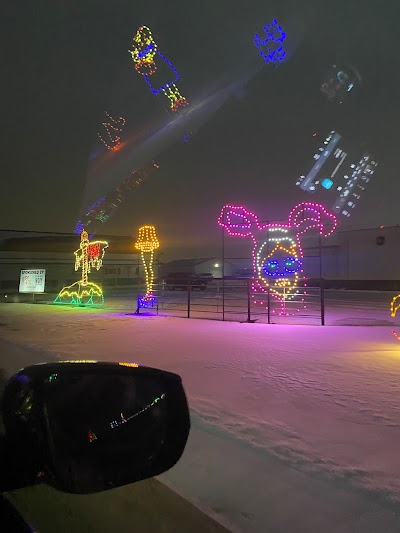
column 83, row 292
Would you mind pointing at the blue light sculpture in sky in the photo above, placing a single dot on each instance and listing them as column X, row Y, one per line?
column 271, row 48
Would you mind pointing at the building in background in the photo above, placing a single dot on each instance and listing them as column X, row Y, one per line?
column 212, row 267
column 363, row 258
column 53, row 253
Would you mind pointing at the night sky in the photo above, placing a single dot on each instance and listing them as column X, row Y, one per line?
column 65, row 62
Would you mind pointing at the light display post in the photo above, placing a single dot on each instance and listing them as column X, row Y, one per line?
column 277, row 254
column 83, row 292
column 147, row 242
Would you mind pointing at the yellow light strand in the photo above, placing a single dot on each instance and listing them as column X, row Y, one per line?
column 146, row 243
column 395, row 305
column 288, row 285
column 144, row 50
column 174, row 96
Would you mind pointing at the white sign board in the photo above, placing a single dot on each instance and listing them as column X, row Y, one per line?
column 32, row 281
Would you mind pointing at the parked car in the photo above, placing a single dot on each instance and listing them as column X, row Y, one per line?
column 182, row 280
column 207, row 276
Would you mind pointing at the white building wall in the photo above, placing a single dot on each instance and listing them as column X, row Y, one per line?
column 362, row 258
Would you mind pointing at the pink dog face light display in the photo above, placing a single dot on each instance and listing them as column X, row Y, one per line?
column 277, row 251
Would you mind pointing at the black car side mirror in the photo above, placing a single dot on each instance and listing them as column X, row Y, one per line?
column 92, row 426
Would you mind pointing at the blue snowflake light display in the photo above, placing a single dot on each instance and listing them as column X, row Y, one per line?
column 271, row 48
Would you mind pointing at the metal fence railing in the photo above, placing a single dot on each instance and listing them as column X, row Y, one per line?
column 235, row 300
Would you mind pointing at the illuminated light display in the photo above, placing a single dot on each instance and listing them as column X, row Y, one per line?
column 79, row 227
column 175, row 98
column 78, row 361
column 340, row 171
column 132, row 365
column 113, row 128
column 145, row 55
column 146, row 243
column 144, row 50
column 395, row 305
column 123, row 420
column 339, row 81
column 92, row 436
column 83, row 292
column 277, row 252
column 105, row 207
column 271, row 48
column 326, row 183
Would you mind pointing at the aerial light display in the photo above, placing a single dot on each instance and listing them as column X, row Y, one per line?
column 277, row 252
column 340, row 173
column 338, row 83
column 83, row 292
column 270, row 45
column 113, row 129
column 148, row 61
column 147, row 242
column 104, row 208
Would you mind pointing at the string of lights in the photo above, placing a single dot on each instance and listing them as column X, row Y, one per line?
column 271, row 48
column 89, row 255
column 113, row 130
column 144, row 54
column 147, row 242
column 394, row 307
column 105, row 207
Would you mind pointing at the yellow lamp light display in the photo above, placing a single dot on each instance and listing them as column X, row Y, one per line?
column 83, row 292
column 146, row 243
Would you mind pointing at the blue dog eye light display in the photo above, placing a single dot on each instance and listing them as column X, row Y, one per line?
column 271, row 46
column 292, row 265
column 271, row 268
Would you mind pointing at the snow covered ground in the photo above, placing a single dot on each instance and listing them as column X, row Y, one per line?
column 295, row 428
